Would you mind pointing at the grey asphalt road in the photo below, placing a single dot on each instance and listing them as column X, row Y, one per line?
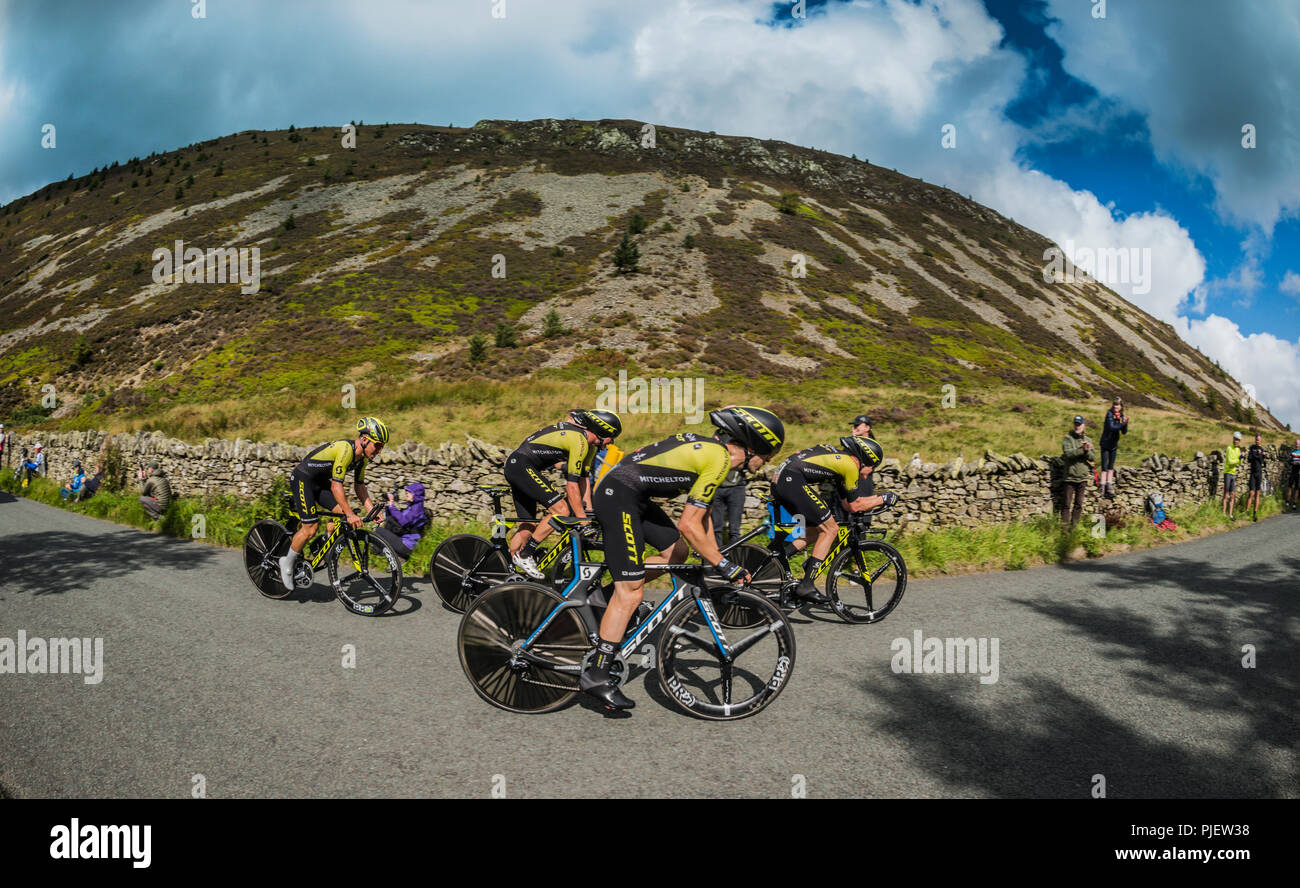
column 1129, row 667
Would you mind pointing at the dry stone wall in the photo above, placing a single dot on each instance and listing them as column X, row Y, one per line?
column 994, row 488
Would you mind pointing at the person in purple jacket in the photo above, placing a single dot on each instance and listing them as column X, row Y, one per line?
column 409, row 522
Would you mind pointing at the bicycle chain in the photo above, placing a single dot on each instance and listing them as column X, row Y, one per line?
column 546, row 684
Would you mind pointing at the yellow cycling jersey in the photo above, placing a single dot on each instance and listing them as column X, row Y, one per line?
column 824, row 463
column 685, row 462
column 332, row 462
column 562, row 441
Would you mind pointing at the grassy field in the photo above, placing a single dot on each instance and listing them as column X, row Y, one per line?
column 930, row 553
column 907, row 420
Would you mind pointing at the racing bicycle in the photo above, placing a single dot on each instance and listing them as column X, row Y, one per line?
column 864, row 576
column 465, row 565
column 364, row 571
column 524, row 645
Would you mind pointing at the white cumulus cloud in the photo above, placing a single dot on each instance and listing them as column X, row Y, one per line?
column 1263, row 363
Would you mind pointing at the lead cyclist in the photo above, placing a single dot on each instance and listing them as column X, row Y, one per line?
column 317, row 483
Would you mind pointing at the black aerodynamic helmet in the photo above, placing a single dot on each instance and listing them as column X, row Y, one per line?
column 867, row 450
column 757, row 430
column 600, row 423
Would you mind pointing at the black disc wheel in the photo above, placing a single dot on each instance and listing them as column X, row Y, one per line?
column 508, row 661
column 465, row 566
column 765, row 580
column 264, row 544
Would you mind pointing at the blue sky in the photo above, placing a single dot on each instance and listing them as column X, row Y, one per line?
column 1122, row 130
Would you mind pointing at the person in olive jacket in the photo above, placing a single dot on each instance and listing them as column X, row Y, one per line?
column 1116, row 424
column 1076, row 455
column 155, row 489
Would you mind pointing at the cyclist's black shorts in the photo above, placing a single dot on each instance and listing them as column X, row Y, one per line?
column 629, row 520
column 1256, row 481
column 308, row 499
column 1108, row 459
column 529, row 488
column 799, row 496
column 1295, row 477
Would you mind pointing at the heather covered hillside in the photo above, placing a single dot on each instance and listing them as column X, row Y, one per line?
column 435, row 267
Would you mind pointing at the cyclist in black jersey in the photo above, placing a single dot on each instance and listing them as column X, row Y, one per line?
column 571, row 444
column 794, row 487
column 685, row 463
column 317, row 484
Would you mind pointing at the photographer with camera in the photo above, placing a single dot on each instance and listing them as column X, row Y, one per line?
column 1076, row 454
column 405, row 525
column 1115, row 424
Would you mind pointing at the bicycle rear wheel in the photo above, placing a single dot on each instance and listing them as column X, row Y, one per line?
column 463, row 567
column 492, row 633
column 765, row 580
column 367, row 575
column 264, row 543
column 694, row 672
column 865, row 585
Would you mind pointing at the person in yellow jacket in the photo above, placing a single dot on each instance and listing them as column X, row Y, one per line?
column 1231, row 461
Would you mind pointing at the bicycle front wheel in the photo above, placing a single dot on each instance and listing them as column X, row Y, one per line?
column 719, row 676
column 864, row 585
column 491, row 638
column 463, row 567
column 264, row 543
column 369, row 575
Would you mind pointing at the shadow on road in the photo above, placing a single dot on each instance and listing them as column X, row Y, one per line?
column 1192, row 657
column 53, row 562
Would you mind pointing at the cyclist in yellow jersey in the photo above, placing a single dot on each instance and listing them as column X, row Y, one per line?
column 317, row 484
column 794, row 487
column 571, row 444
column 685, row 463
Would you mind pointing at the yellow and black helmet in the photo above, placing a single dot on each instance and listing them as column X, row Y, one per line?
column 373, row 428
column 867, row 450
column 600, row 423
column 753, row 428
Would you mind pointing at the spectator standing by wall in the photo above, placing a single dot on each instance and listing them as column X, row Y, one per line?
column 1255, row 462
column 729, row 506
column 1231, row 460
column 1115, row 424
column 155, row 489
column 1076, row 456
column 4, row 443
column 73, row 489
column 1293, row 481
